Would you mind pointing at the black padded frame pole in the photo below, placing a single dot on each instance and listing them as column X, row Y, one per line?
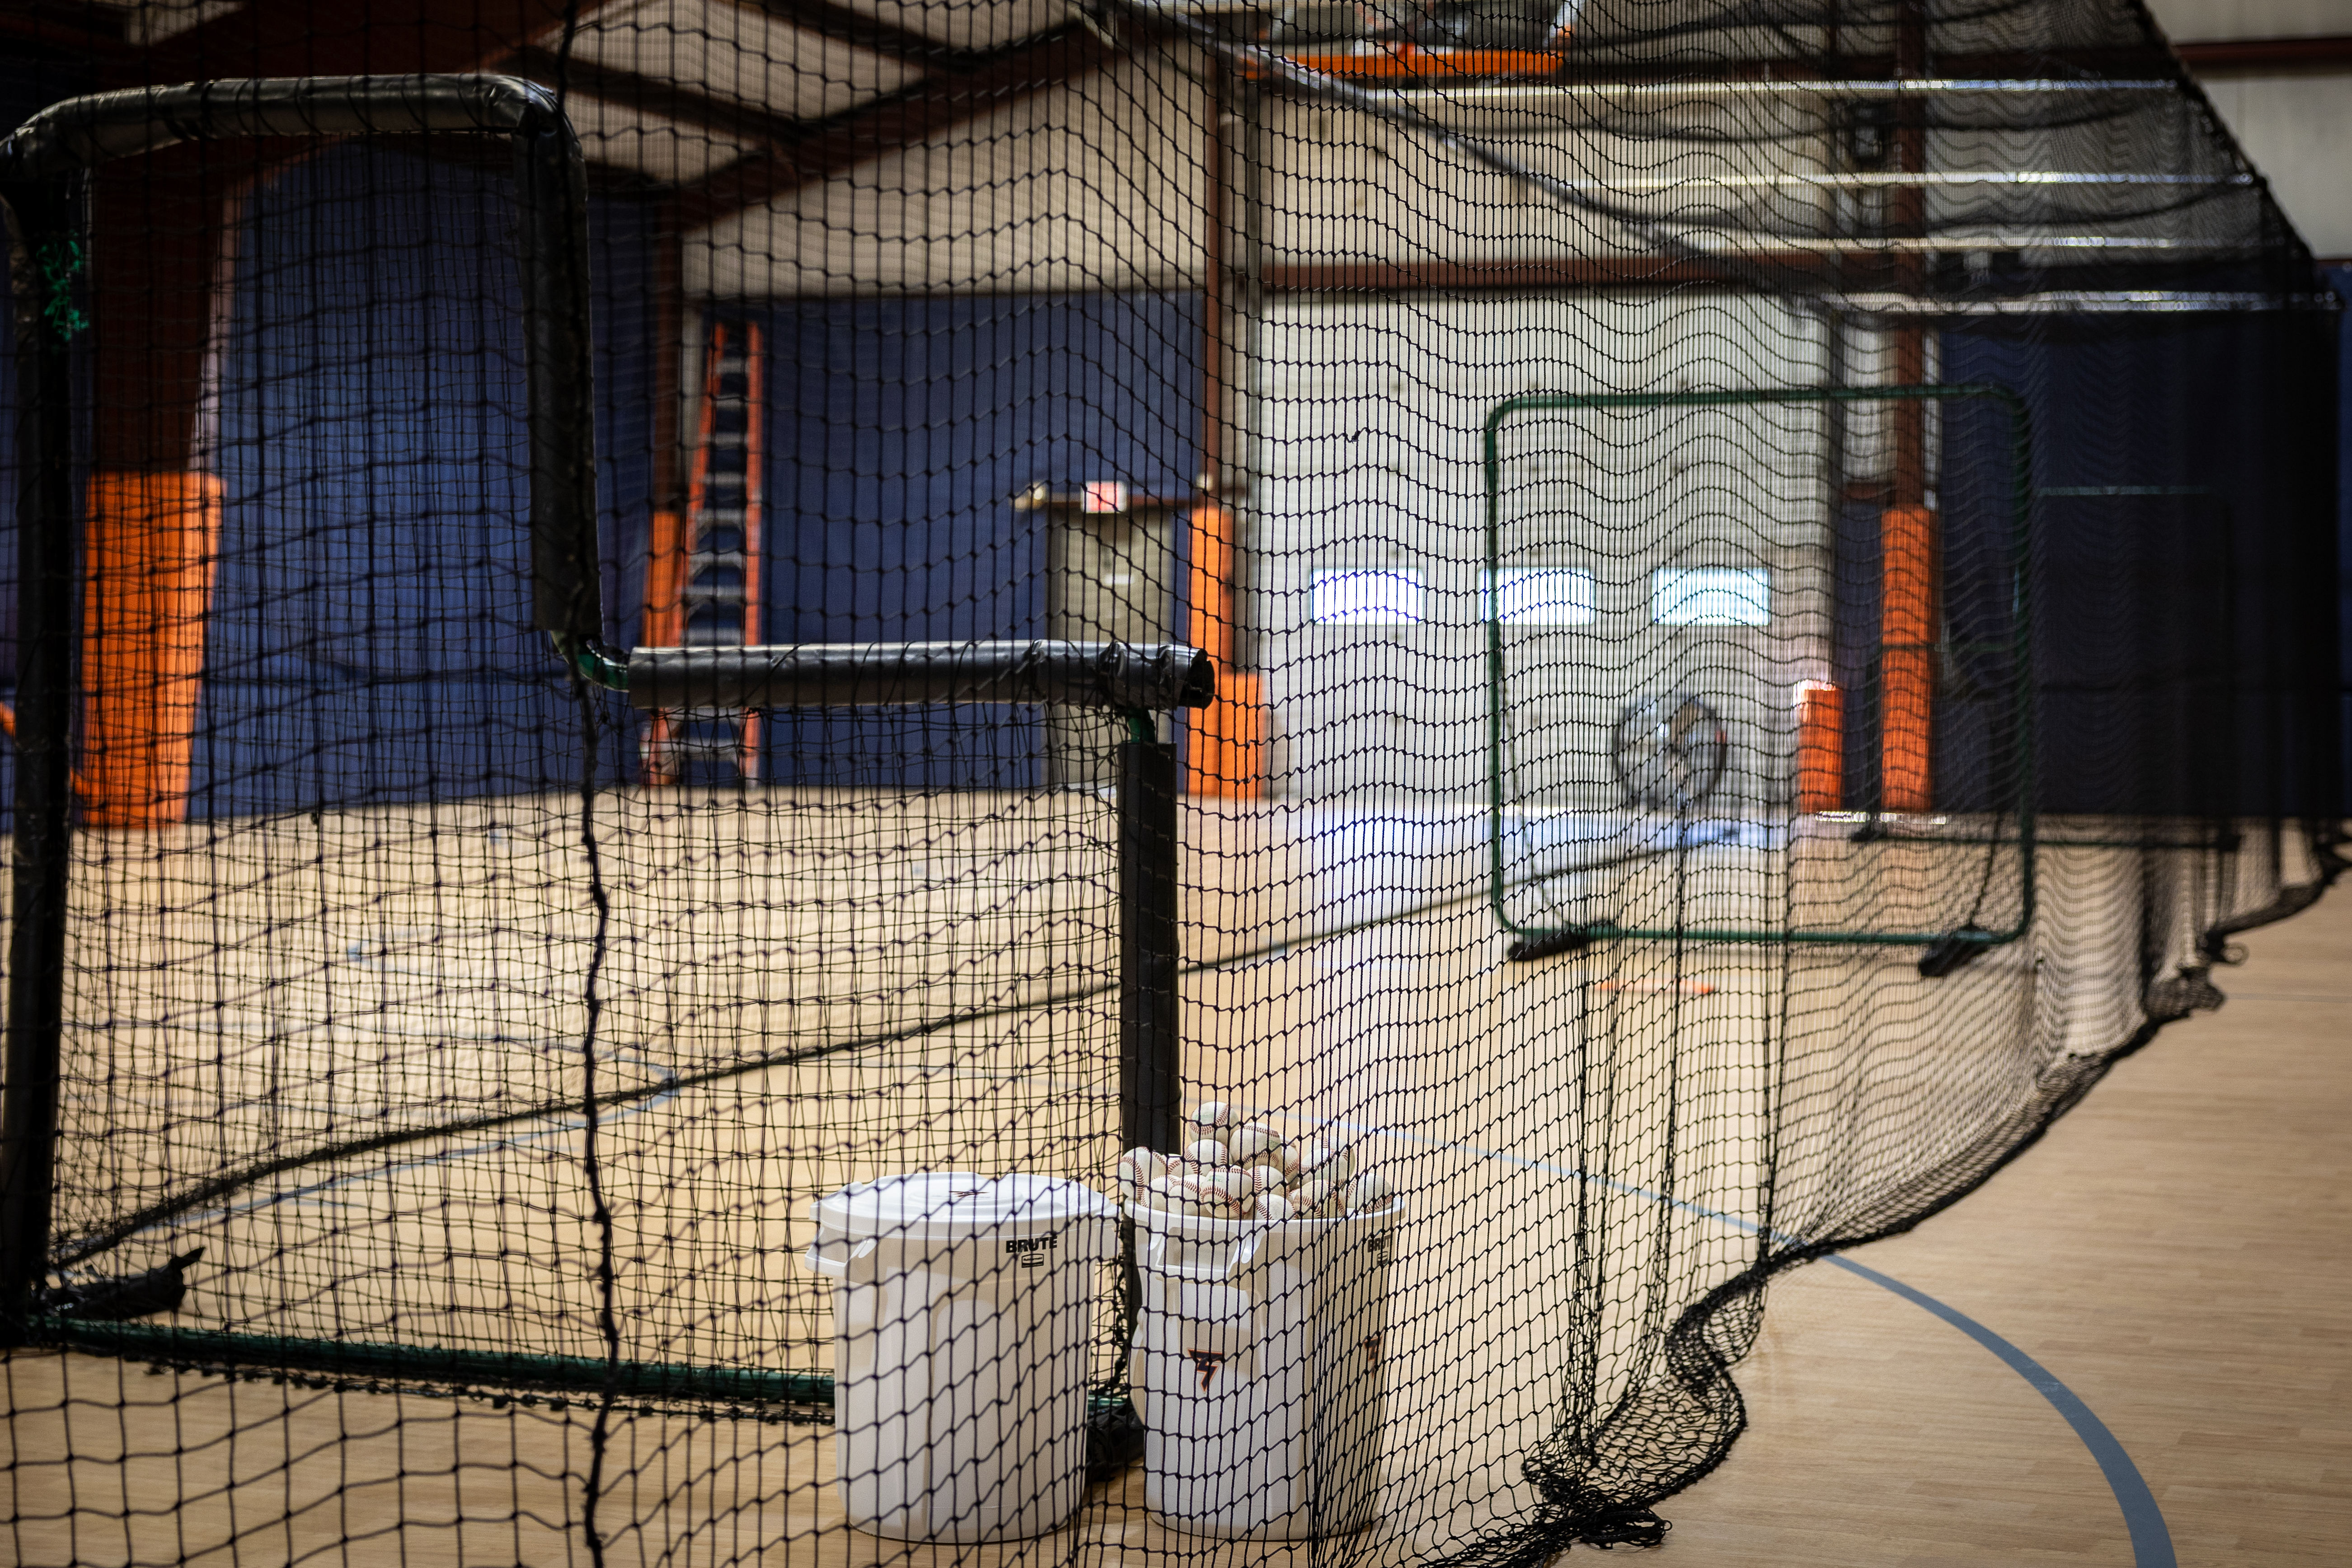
column 1150, row 1088
column 41, row 166
column 551, row 186
column 856, row 675
column 43, row 241
column 1135, row 682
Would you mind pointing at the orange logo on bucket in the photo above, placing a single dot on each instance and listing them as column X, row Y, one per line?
column 1208, row 1362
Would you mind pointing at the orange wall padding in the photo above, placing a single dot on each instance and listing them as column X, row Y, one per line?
column 665, row 613
column 1906, row 658
column 147, row 576
column 1212, row 598
column 1226, row 750
column 1821, row 747
column 1225, row 755
column 664, row 627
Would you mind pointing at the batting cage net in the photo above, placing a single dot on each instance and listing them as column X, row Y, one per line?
column 849, row 782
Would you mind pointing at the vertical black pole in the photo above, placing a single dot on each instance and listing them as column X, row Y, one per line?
column 1150, row 1091
column 1150, row 1107
column 559, row 369
column 44, row 263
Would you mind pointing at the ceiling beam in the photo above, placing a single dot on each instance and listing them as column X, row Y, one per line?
column 1569, row 272
column 2138, row 63
column 2231, row 57
column 827, row 147
column 338, row 38
column 845, row 26
column 655, row 95
column 2264, row 57
column 90, row 29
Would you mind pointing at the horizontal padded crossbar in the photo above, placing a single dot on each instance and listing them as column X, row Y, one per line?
column 855, row 674
column 83, row 132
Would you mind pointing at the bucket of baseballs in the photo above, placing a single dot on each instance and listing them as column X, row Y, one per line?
column 1233, row 1168
column 1258, row 1357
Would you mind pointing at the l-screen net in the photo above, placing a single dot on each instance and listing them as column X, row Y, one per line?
column 1766, row 578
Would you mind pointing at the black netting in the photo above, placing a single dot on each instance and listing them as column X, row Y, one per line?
column 1768, row 572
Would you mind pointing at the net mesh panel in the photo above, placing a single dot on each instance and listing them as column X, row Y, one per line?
column 1771, row 624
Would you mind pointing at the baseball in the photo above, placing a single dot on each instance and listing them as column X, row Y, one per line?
column 1326, row 1162
column 1252, row 1142
column 1234, row 1185
column 1185, row 1195
column 1138, row 1168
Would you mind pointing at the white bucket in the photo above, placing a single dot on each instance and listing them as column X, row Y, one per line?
column 1257, row 1370
column 963, row 1307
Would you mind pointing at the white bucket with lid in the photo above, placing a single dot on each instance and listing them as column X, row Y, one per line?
column 1257, row 1370
column 962, row 1309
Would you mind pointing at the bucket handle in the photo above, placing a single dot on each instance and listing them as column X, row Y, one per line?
column 1240, row 1261
column 832, row 1256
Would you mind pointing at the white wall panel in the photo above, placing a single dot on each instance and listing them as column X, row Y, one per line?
column 2198, row 20
column 1346, row 188
column 2299, row 131
column 1372, row 415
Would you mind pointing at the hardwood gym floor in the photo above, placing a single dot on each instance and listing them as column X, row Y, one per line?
column 2170, row 1254
column 2178, row 1252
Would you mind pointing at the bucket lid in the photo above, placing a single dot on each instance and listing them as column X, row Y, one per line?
column 943, row 1206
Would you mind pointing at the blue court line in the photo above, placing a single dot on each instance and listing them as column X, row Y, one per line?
column 2151, row 1541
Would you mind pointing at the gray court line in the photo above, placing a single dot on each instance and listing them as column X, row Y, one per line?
column 2151, row 1541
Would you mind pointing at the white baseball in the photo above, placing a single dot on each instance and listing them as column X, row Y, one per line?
column 1307, row 1200
column 1235, row 1186
column 1272, row 1206
column 1327, row 1161
column 1251, row 1141
column 1205, row 1151
column 1370, row 1192
column 1138, row 1167
column 1223, row 1189
column 1268, row 1178
column 1181, row 1194
column 1212, row 1114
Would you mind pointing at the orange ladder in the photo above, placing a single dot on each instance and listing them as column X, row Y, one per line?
column 702, row 581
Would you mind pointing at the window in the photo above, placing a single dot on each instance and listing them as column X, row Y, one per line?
column 1711, row 597
column 1539, row 596
column 1366, row 597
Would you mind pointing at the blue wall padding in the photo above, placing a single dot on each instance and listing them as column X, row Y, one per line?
column 903, row 428
column 900, row 431
column 371, row 640
column 2184, row 663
